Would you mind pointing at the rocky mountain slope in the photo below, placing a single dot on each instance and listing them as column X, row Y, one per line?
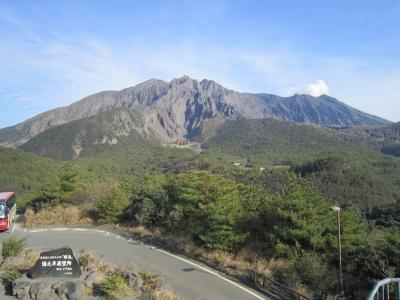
column 183, row 107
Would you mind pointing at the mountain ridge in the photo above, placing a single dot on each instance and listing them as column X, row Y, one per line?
column 182, row 108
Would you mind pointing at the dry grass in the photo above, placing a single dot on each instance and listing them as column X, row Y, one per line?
column 24, row 260
column 162, row 294
column 140, row 231
column 91, row 261
column 152, row 289
column 240, row 263
column 58, row 215
column 31, row 256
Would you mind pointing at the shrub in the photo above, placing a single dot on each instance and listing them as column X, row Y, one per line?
column 8, row 279
column 147, row 276
column 84, row 260
column 151, row 282
column 12, row 247
column 10, row 276
column 315, row 272
column 115, row 287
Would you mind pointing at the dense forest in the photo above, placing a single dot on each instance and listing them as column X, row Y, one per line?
column 259, row 188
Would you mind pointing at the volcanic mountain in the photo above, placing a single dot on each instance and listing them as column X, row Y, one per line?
column 181, row 109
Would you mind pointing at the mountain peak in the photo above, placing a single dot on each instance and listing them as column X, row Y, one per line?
column 181, row 80
column 183, row 107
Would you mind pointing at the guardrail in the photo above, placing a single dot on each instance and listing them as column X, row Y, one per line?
column 275, row 287
column 385, row 289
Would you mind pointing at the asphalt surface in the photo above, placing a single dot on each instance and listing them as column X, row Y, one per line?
column 185, row 278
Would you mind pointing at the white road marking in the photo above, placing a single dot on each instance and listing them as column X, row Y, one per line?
column 37, row 230
column 79, row 229
column 213, row 273
column 59, row 229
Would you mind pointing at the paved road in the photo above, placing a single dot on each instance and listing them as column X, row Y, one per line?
column 185, row 278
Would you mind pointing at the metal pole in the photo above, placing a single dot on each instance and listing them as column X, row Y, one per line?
column 340, row 253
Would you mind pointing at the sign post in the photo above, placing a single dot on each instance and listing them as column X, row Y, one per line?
column 55, row 264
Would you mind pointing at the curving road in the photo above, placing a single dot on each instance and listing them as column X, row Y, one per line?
column 187, row 279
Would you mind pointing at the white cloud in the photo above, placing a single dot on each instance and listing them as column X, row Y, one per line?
column 315, row 89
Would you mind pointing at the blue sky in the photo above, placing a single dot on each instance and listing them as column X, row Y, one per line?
column 53, row 53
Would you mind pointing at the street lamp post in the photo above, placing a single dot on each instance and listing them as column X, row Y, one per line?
column 339, row 239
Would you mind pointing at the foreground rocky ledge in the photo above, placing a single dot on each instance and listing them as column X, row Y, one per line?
column 25, row 288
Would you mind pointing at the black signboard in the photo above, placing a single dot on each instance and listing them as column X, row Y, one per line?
column 56, row 263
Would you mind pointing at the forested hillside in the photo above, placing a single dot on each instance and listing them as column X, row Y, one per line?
column 23, row 172
column 259, row 189
column 384, row 138
column 349, row 173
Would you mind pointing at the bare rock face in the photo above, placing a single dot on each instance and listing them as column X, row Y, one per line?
column 184, row 106
column 20, row 288
column 46, row 289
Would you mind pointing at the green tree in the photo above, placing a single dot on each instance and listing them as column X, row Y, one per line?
column 253, row 198
column 112, row 205
column 58, row 188
column 69, row 180
column 209, row 207
column 151, row 204
column 49, row 192
column 299, row 219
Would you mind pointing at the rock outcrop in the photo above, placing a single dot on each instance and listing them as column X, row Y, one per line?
column 25, row 288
